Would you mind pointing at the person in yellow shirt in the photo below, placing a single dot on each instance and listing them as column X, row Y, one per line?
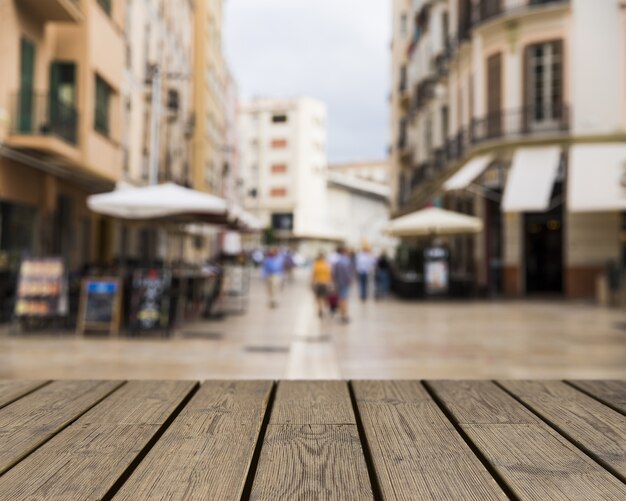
column 321, row 280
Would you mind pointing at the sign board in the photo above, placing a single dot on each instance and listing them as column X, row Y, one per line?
column 436, row 270
column 100, row 305
column 150, row 302
column 42, row 288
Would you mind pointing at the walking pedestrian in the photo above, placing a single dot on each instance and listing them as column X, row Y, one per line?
column 383, row 276
column 364, row 263
column 272, row 273
column 321, row 281
column 342, row 277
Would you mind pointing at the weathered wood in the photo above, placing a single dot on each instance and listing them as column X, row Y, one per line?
column 12, row 390
column 207, row 451
column 312, row 402
column 416, row 451
column 86, row 460
column 534, row 460
column 312, row 451
column 594, row 426
column 30, row 421
column 612, row 393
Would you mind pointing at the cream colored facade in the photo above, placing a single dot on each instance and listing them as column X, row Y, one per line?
column 209, row 86
column 491, row 81
column 52, row 155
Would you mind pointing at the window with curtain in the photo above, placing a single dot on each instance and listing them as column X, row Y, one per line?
column 543, row 89
column 103, row 105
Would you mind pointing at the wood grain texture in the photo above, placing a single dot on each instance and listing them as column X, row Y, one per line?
column 30, row 421
column 596, row 427
column 12, row 390
column 87, row 458
column 534, row 460
column 312, row 451
column 207, row 451
column 312, row 402
column 612, row 392
column 416, row 451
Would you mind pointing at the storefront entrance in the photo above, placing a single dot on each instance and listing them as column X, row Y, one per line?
column 543, row 250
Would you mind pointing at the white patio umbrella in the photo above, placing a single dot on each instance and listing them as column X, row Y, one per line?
column 163, row 200
column 433, row 221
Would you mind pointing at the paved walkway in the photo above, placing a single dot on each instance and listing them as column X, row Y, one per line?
column 390, row 339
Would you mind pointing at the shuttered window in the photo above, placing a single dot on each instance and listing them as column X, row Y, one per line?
column 494, row 95
column 103, row 106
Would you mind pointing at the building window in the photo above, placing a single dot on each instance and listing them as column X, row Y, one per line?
column 279, row 169
column 279, row 119
column 543, row 89
column 106, row 6
column 282, row 221
column 279, row 143
column 103, row 106
column 403, row 25
column 278, row 192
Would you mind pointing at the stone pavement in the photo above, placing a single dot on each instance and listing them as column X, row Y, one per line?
column 389, row 339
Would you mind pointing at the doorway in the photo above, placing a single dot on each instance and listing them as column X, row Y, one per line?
column 543, row 246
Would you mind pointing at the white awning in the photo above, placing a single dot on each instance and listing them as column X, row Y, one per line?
column 466, row 174
column 597, row 178
column 149, row 202
column 434, row 221
column 531, row 179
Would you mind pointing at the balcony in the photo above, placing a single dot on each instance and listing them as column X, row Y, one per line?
column 486, row 10
column 63, row 11
column 535, row 123
column 39, row 122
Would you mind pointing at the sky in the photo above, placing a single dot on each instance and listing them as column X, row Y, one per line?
column 333, row 50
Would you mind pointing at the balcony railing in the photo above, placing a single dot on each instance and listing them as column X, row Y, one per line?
column 35, row 114
column 490, row 9
column 525, row 123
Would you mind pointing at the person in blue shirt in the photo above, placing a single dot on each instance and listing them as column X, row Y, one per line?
column 273, row 267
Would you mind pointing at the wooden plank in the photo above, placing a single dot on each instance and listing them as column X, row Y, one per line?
column 11, row 390
column 87, row 459
column 612, row 393
column 533, row 459
column 595, row 427
column 312, row 452
column 313, row 402
column 416, row 451
column 207, row 451
column 30, row 421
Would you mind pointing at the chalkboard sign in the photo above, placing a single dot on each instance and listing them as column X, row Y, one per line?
column 100, row 304
column 150, row 304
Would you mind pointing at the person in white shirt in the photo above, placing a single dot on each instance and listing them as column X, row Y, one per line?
column 364, row 264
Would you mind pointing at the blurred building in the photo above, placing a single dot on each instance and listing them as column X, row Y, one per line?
column 515, row 111
column 210, row 84
column 359, row 201
column 159, row 45
column 284, row 168
column 60, row 126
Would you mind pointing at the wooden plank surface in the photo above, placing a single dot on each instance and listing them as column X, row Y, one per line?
column 534, row 460
column 33, row 419
column 12, row 390
column 594, row 426
column 416, row 451
column 312, row 448
column 207, row 451
column 611, row 392
column 86, row 459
